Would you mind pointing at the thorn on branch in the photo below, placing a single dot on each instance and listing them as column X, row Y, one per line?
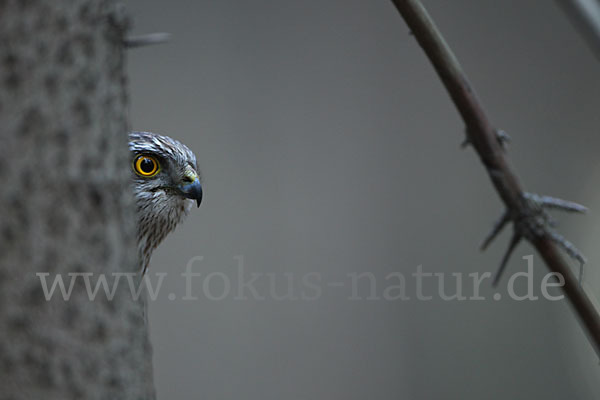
column 535, row 221
column 555, row 203
column 496, row 229
column 146, row 40
column 572, row 251
column 568, row 247
column 502, row 137
column 511, row 247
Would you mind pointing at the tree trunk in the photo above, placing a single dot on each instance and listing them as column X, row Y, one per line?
column 66, row 205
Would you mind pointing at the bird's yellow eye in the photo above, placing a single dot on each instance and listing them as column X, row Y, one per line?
column 146, row 166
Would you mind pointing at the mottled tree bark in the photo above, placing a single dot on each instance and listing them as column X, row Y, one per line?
column 66, row 204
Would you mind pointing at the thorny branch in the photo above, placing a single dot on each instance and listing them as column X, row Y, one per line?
column 526, row 211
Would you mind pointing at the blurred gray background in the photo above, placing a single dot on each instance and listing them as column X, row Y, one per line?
column 328, row 144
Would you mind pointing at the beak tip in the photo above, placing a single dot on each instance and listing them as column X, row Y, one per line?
column 192, row 191
column 199, row 195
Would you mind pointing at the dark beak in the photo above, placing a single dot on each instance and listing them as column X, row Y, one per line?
column 192, row 191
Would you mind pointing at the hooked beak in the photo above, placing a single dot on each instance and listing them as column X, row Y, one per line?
column 192, row 191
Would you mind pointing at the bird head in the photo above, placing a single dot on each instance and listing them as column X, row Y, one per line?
column 165, row 168
column 166, row 185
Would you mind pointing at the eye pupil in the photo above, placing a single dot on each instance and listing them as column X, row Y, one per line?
column 147, row 165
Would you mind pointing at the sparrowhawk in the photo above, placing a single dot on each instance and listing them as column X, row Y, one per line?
column 166, row 185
